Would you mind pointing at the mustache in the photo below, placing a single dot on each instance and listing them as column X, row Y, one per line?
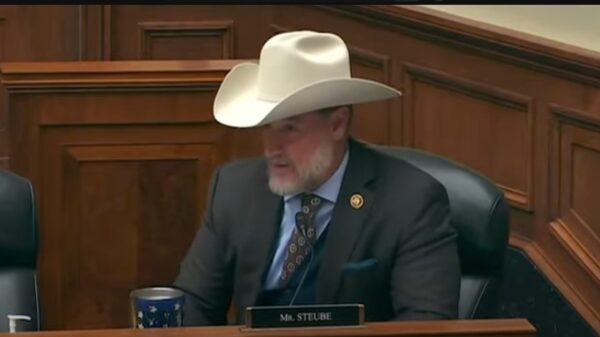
column 278, row 159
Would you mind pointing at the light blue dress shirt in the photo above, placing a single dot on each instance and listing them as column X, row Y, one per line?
column 329, row 191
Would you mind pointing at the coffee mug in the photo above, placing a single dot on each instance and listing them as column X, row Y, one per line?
column 156, row 307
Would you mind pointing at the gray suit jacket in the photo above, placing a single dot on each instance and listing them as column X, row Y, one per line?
column 396, row 254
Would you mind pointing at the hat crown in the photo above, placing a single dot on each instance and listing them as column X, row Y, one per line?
column 291, row 61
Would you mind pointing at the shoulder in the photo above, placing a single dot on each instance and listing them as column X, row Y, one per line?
column 399, row 176
column 241, row 171
column 242, row 167
column 241, row 174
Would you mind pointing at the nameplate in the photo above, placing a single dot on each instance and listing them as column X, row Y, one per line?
column 304, row 316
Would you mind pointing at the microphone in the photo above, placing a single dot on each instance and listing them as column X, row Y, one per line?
column 310, row 261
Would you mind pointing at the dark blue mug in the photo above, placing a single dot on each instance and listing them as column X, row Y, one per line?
column 156, row 307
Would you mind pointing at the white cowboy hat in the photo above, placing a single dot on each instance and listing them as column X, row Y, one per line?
column 297, row 72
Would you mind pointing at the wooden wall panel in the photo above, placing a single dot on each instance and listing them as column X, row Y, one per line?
column 483, row 98
column 576, row 155
column 128, row 32
column 121, row 161
column 129, row 212
column 522, row 112
column 484, row 127
column 193, row 40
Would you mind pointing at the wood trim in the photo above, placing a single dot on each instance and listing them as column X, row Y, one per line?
column 519, row 199
column 372, row 60
column 35, row 76
column 515, row 327
column 573, row 246
column 149, row 29
column 575, row 117
column 562, row 60
column 511, row 100
column 548, row 268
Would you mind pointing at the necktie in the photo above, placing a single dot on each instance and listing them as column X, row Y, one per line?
column 298, row 249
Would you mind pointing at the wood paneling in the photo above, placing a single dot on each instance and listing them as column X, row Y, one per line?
column 481, row 97
column 121, row 156
column 127, row 32
column 471, row 127
column 576, row 157
column 129, row 212
column 186, row 40
column 371, row 121
column 522, row 111
column 35, row 33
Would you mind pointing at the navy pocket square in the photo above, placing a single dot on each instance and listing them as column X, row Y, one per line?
column 359, row 265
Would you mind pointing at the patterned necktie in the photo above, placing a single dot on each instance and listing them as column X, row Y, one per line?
column 298, row 249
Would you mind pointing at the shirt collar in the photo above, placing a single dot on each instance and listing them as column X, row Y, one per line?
column 330, row 189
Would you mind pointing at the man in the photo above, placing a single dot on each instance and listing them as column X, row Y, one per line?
column 321, row 218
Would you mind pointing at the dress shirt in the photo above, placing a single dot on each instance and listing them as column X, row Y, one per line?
column 328, row 191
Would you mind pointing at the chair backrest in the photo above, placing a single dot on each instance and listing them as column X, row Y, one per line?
column 480, row 214
column 18, row 252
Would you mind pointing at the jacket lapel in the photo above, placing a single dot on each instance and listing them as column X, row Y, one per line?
column 265, row 218
column 346, row 221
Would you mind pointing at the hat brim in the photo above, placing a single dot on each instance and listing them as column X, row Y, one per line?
column 237, row 103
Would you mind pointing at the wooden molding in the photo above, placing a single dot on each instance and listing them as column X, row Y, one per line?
column 547, row 267
column 569, row 241
column 372, row 60
column 494, row 95
column 32, row 76
column 563, row 60
column 575, row 117
column 147, row 31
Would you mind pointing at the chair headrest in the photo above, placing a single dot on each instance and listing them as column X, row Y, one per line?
column 18, row 221
column 479, row 211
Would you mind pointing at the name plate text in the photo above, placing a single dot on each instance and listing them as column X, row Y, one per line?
column 304, row 316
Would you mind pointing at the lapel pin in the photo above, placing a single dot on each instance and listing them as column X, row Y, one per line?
column 356, row 201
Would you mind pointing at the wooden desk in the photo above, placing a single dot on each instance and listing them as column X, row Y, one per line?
column 457, row 328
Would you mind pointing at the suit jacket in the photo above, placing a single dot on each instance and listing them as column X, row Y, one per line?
column 396, row 254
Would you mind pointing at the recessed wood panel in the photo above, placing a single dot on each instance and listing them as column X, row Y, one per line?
column 577, row 223
column 486, row 128
column 182, row 32
column 133, row 210
column 196, row 40
column 585, row 163
column 120, row 211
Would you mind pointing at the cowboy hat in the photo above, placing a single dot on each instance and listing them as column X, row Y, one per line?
column 298, row 72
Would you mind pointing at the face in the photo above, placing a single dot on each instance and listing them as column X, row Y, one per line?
column 301, row 151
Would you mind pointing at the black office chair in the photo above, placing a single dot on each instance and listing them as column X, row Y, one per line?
column 18, row 252
column 479, row 213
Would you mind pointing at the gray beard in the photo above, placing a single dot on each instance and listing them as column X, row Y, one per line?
column 308, row 176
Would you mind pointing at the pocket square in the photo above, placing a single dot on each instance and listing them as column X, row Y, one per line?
column 359, row 265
